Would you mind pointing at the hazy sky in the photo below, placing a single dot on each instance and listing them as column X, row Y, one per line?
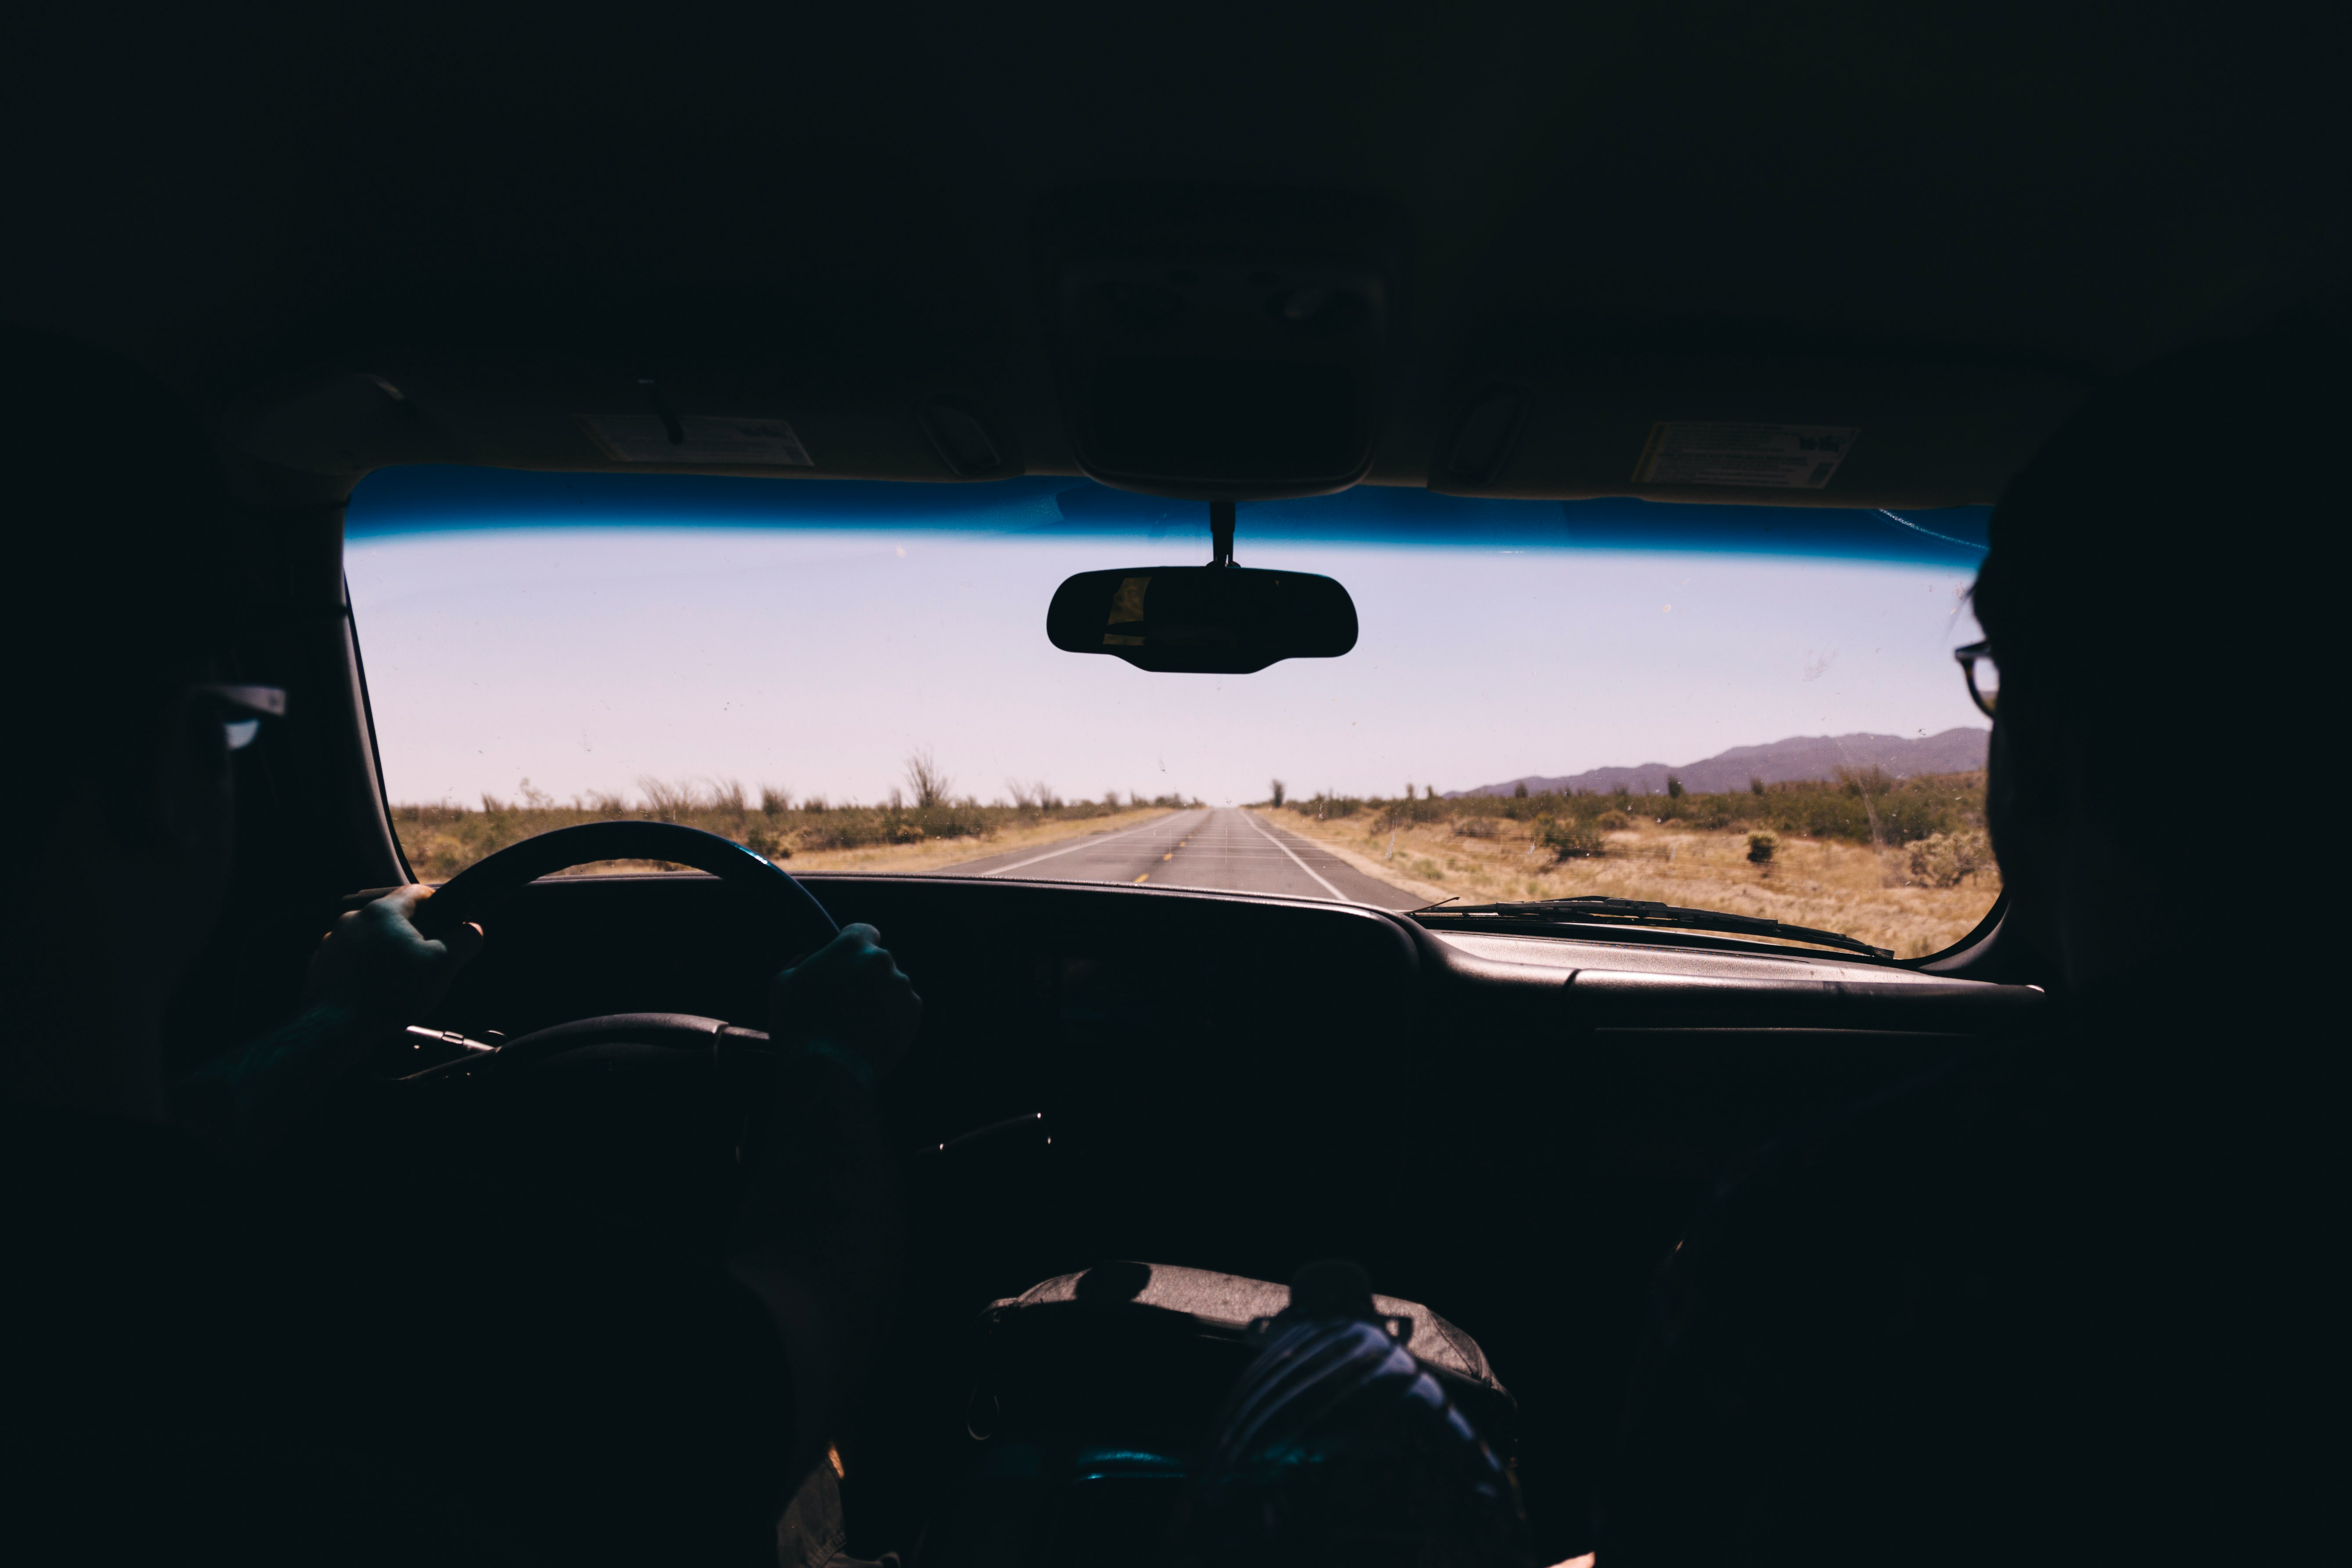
column 817, row 659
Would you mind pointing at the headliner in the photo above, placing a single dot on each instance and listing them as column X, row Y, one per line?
column 1939, row 228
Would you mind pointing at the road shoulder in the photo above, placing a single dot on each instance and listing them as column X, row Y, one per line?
column 1007, row 847
column 1326, row 837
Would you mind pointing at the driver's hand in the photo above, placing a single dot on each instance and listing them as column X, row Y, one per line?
column 848, row 993
column 376, row 964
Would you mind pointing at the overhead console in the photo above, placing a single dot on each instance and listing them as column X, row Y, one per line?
column 1221, row 345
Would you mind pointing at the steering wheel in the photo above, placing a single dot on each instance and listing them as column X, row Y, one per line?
column 625, row 1110
column 478, row 890
column 473, row 892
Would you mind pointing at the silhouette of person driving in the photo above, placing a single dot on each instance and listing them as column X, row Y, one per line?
column 205, row 1365
column 2049, row 1305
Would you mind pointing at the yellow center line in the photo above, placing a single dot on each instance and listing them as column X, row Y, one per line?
column 1170, row 856
column 1145, row 877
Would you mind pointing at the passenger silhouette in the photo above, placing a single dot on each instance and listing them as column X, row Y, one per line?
column 2050, row 1305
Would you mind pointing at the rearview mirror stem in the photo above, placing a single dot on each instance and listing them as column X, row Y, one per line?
column 1220, row 532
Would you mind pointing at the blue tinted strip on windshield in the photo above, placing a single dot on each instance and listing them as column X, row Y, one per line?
column 431, row 500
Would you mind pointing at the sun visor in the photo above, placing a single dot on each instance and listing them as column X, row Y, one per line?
column 1769, row 430
column 724, row 420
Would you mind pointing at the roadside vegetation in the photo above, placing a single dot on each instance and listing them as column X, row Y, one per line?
column 919, row 826
column 1865, row 806
column 1901, row 863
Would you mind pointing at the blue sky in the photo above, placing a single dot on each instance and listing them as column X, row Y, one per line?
column 584, row 631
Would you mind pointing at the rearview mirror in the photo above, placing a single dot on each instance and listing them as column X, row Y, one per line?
column 1202, row 620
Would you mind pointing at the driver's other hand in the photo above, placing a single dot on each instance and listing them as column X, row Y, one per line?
column 375, row 962
column 849, row 992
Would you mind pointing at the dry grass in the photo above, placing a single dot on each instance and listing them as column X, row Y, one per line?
column 1826, row 883
column 812, row 836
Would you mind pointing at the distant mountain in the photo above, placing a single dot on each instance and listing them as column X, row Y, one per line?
column 1798, row 757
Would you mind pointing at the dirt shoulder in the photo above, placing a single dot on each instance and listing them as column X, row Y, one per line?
column 947, row 854
column 1393, row 870
column 1823, row 883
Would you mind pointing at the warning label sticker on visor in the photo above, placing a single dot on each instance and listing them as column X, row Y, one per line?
column 1763, row 456
column 698, row 438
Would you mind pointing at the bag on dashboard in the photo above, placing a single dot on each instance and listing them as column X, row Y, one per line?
column 1095, row 1393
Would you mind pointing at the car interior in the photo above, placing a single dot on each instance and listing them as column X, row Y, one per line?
column 1225, row 256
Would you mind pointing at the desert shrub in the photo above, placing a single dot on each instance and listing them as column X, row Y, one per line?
column 1520, row 791
column 1568, row 839
column 1279, row 789
column 947, row 820
column 1818, row 811
column 1908, row 815
column 1412, row 810
column 1870, row 781
column 1858, row 807
column 1674, row 787
column 1760, row 845
column 1944, row 859
column 1476, row 827
column 1866, row 807
column 664, row 801
column 1034, row 796
column 1714, row 812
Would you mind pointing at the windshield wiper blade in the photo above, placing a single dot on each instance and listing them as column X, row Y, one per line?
column 1596, row 909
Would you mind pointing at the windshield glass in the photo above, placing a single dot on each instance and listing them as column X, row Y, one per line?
column 1744, row 709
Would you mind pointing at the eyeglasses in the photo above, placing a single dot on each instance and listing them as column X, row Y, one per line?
column 247, row 706
column 1984, row 675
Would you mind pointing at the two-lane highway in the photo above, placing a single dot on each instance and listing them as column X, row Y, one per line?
column 1220, row 848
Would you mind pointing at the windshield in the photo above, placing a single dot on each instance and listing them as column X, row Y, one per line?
column 1742, row 709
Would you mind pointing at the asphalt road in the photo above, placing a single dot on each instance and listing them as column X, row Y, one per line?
column 1220, row 847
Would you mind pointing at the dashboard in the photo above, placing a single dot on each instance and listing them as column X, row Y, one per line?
column 1510, row 1129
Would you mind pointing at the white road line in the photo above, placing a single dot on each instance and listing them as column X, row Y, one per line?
column 1073, row 848
column 1295, row 860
